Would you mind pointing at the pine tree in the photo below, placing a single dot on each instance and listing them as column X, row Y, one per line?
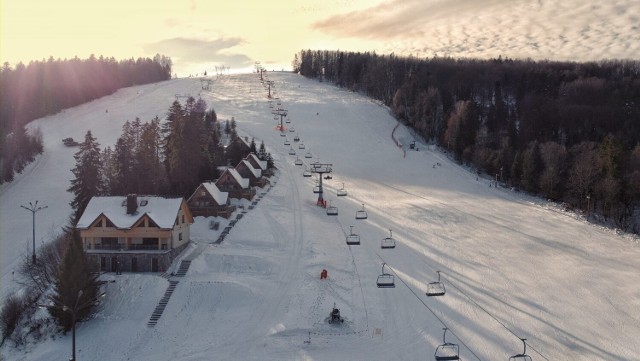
column 253, row 146
column 88, row 180
column 75, row 286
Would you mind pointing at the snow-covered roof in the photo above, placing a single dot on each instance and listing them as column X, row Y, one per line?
column 261, row 163
column 219, row 196
column 163, row 211
column 256, row 172
column 244, row 182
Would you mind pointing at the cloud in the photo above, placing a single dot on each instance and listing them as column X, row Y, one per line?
column 548, row 29
column 193, row 51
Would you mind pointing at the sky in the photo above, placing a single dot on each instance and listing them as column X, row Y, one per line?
column 201, row 34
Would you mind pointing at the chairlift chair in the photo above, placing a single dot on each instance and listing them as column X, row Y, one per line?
column 296, row 138
column 282, row 133
column 361, row 214
column 436, row 288
column 521, row 356
column 291, row 130
column 342, row 192
column 287, row 121
column 352, row 239
column 292, row 151
column 287, row 142
column 385, row 280
column 298, row 161
column 308, row 155
column 388, row 242
column 332, row 210
column 328, row 176
column 447, row 351
column 306, row 173
column 301, row 146
column 316, row 189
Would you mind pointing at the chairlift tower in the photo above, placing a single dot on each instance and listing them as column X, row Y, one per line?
column 321, row 168
column 282, row 113
column 269, row 83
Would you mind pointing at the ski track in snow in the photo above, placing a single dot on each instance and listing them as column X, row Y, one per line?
column 512, row 268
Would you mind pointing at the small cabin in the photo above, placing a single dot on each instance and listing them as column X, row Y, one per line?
column 232, row 182
column 209, row 201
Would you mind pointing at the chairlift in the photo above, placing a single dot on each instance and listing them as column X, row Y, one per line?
column 353, row 239
column 328, row 176
column 316, row 189
column 282, row 134
column 298, row 161
column 385, row 280
column 287, row 121
column 388, row 242
column 342, row 192
column 436, row 288
column 301, row 146
column 522, row 356
column 447, row 351
column 296, row 138
column 306, row 173
column 292, row 151
column 361, row 214
column 291, row 130
column 308, row 155
column 287, row 142
column 332, row 210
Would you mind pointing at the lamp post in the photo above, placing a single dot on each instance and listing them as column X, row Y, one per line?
column 33, row 208
column 74, row 311
column 588, row 204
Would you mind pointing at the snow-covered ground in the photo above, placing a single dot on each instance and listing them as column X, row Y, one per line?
column 513, row 266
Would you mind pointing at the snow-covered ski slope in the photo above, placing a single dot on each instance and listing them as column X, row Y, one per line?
column 512, row 266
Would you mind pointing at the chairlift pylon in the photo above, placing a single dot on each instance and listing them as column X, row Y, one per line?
column 361, row 214
column 436, row 288
column 521, row 356
column 388, row 242
column 352, row 239
column 385, row 280
column 447, row 351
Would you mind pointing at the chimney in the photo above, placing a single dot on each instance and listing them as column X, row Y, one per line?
column 132, row 203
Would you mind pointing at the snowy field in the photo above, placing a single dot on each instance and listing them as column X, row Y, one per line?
column 513, row 266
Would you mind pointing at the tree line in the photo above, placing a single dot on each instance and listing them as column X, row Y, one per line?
column 168, row 159
column 41, row 88
column 565, row 131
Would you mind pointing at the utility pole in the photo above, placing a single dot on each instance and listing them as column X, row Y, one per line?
column 33, row 208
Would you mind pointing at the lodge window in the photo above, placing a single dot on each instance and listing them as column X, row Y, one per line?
column 180, row 236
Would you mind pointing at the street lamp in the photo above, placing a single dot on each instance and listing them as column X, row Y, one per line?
column 588, row 204
column 74, row 311
column 33, row 208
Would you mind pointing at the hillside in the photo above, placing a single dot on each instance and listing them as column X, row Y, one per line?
column 513, row 266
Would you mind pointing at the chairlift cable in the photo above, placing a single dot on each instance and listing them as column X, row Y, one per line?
column 493, row 317
column 429, row 308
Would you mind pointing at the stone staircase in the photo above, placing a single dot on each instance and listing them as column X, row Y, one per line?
column 157, row 312
column 184, row 268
